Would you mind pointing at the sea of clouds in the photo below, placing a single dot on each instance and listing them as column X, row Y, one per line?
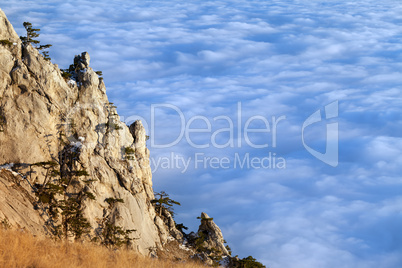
column 206, row 63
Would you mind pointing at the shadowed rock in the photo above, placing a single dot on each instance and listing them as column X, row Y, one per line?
column 213, row 235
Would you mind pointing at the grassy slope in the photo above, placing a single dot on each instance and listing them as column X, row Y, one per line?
column 19, row 249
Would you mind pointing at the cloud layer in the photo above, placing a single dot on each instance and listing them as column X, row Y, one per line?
column 277, row 58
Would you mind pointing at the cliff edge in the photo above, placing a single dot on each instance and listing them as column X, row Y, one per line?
column 68, row 123
column 70, row 168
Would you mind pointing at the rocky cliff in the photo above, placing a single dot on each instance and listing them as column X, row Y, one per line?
column 68, row 165
column 43, row 114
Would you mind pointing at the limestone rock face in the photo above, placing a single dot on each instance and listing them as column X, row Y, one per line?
column 39, row 108
column 137, row 130
column 85, row 59
column 6, row 29
column 16, row 204
column 213, row 234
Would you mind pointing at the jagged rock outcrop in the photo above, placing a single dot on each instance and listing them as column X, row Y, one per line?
column 213, row 238
column 209, row 244
column 39, row 108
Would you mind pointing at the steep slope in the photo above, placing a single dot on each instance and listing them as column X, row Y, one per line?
column 43, row 116
column 16, row 207
column 70, row 168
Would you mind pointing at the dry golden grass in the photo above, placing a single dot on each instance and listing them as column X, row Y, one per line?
column 18, row 249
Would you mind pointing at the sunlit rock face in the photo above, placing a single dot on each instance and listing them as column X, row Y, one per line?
column 37, row 105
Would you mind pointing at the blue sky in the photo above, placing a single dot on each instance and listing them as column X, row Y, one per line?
column 273, row 59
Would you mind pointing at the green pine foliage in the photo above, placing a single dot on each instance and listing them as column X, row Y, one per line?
column 64, row 204
column 113, row 236
column 129, row 153
column 228, row 248
column 32, row 33
column 199, row 242
column 65, row 73
column 181, row 228
column 111, row 124
column 129, row 150
column 30, row 38
column 5, row 224
column 116, row 126
column 5, row 42
column 100, row 74
column 248, row 262
column 46, row 55
column 108, row 233
column 205, row 219
column 164, row 203
column 111, row 201
column 73, row 221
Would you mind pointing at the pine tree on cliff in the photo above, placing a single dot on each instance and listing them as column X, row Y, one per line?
column 163, row 202
column 32, row 33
